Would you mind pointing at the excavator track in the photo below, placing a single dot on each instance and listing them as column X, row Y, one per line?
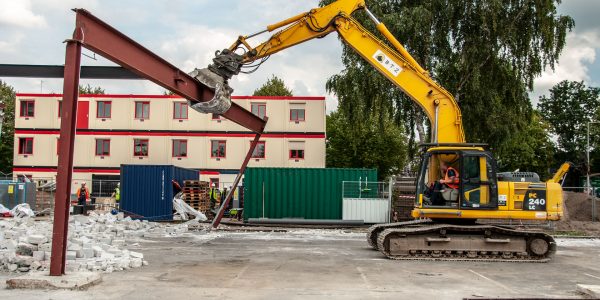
column 376, row 229
column 448, row 242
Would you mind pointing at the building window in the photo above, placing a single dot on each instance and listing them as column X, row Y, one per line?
column 296, row 150
column 216, row 117
column 180, row 110
column 214, row 182
column 142, row 110
column 259, row 109
column 140, row 147
column 102, row 147
column 259, row 151
column 26, row 146
column 297, row 154
column 59, row 108
column 27, row 108
column 297, row 114
column 179, row 148
column 218, row 149
column 104, row 109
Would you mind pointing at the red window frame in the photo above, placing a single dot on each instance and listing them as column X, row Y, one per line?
column 218, row 143
column 59, row 108
column 297, row 118
column 255, row 108
column 181, row 106
column 178, row 147
column 296, row 154
column 144, row 104
column 105, row 147
column 141, row 141
column 104, row 115
column 264, row 150
column 27, row 104
column 23, row 141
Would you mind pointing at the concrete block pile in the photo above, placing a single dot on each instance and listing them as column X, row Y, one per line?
column 95, row 243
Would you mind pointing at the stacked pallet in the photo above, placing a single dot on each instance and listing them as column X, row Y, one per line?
column 404, row 197
column 195, row 194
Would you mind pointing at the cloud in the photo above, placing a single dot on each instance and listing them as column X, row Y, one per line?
column 574, row 62
column 19, row 14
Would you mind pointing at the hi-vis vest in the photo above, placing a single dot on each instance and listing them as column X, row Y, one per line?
column 452, row 183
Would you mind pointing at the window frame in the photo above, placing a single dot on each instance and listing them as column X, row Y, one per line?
column 103, row 140
column 181, row 105
column 104, row 102
column 297, row 119
column 26, row 102
column 219, row 142
column 173, row 148
column 143, row 103
column 259, row 105
column 264, row 150
column 147, row 147
column 296, row 157
column 26, row 139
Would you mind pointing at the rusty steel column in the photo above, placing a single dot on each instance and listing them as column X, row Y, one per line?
column 65, row 159
column 224, row 204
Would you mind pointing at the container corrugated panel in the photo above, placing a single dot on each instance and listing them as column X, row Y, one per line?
column 147, row 190
column 306, row 193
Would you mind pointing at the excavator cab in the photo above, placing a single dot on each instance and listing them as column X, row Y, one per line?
column 468, row 179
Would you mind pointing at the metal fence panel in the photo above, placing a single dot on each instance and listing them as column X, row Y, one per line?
column 367, row 201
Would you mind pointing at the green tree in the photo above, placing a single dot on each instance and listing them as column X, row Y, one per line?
column 568, row 108
column 365, row 145
column 531, row 149
column 7, row 97
column 485, row 52
column 273, row 87
column 89, row 90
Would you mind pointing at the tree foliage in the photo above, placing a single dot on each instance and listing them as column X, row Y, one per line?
column 569, row 108
column 7, row 97
column 485, row 52
column 273, row 87
column 530, row 149
column 365, row 145
column 89, row 90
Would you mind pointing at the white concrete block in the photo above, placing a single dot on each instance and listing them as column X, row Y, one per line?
column 45, row 247
column 71, row 255
column 36, row 239
column 136, row 254
column 38, row 255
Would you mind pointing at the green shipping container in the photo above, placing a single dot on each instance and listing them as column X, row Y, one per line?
column 305, row 193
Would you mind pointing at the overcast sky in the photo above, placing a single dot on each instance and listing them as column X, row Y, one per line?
column 187, row 33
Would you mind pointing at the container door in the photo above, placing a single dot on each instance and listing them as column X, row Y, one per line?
column 83, row 114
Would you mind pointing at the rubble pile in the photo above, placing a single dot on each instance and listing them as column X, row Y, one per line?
column 95, row 242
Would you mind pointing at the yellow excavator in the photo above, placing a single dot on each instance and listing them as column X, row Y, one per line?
column 446, row 213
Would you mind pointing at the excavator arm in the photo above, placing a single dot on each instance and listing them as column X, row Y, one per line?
column 392, row 60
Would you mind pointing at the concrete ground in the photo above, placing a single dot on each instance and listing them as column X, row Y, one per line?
column 323, row 264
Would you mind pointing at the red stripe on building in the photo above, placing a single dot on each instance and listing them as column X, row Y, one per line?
column 209, row 173
column 122, row 96
column 198, row 134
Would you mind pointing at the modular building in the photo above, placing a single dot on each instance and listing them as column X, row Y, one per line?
column 158, row 129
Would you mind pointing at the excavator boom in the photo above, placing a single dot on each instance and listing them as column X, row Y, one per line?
column 391, row 59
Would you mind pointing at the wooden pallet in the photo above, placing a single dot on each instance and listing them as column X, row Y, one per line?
column 195, row 183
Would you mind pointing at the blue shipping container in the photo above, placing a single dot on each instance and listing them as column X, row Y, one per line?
column 13, row 193
column 147, row 190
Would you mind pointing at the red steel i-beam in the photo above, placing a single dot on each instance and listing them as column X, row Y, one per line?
column 119, row 48
column 225, row 203
column 65, row 158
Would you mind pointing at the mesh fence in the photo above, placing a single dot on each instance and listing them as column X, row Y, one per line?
column 365, row 190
